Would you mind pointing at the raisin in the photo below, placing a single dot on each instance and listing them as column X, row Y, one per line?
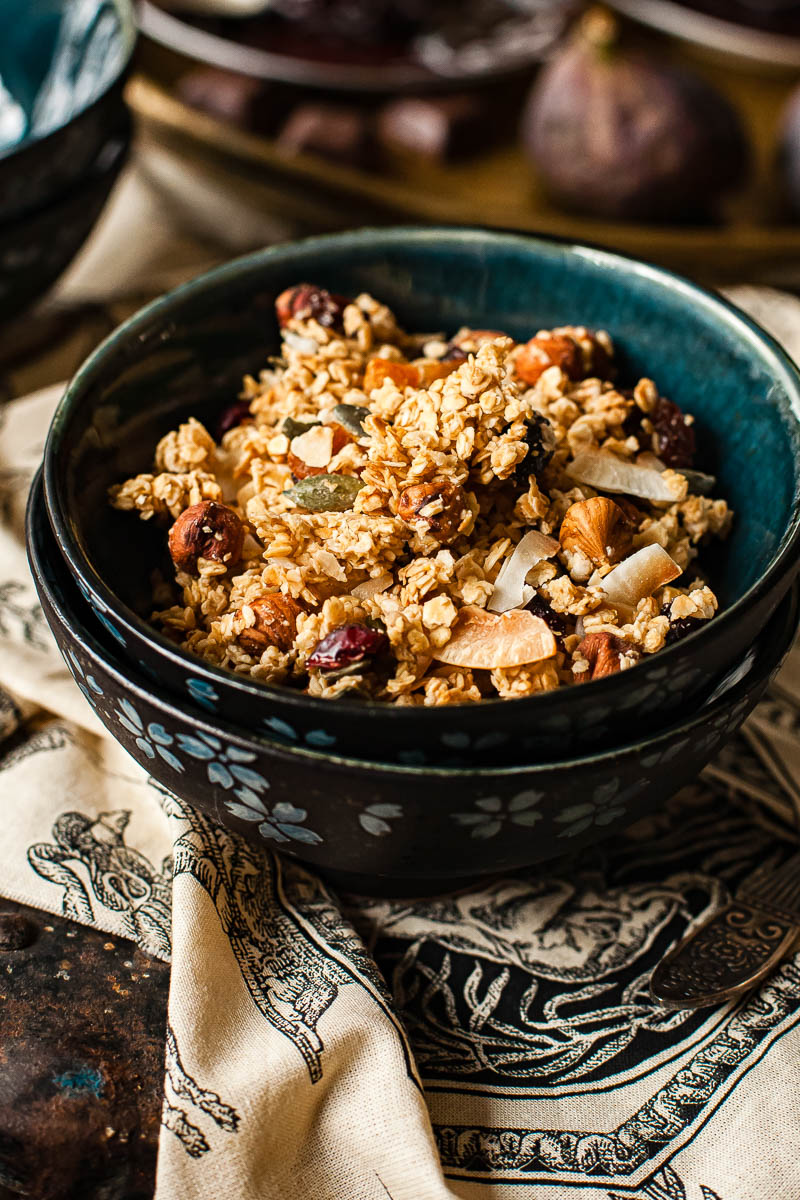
column 306, row 302
column 553, row 620
column 675, row 442
column 679, row 626
column 345, row 646
column 235, row 414
column 541, row 445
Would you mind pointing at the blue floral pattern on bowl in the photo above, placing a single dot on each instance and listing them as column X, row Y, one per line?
column 376, row 817
column 152, row 739
column 493, row 813
column 100, row 610
column 607, row 804
column 282, row 823
column 203, row 693
column 86, row 682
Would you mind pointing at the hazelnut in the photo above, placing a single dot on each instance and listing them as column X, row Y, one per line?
column 439, row 507
column 312, row 451
column 275, row 625
column 206, row 530
column 549, row 350
column 597, row 528
column 603, row 651
column 576, row 351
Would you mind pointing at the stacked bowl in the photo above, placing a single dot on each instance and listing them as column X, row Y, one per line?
column 64, row 132
column 408, row 799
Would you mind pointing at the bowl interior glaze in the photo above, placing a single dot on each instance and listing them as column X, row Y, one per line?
column 186, row 353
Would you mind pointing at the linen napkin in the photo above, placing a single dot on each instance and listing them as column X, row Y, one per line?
column 499, row 1042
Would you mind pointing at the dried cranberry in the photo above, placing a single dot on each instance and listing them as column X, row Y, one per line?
column 552, row 619
column 675, row 444
column 679, row 626
column 347, row 645
column 541, row 444
column 454, row 353
column 307, row 302
column 235, row 414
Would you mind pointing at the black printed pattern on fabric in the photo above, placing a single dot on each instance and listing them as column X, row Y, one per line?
column 537, row 987
column 666, row 1184
column 184, row 1087
column 89, row 860
column 293, row 960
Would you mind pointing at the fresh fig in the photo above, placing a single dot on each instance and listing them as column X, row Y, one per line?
column 616, row 133
column 789, row 152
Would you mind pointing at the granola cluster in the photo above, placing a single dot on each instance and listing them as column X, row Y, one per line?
column 425, row 520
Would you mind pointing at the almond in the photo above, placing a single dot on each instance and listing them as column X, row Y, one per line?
column 603, row 652
column 597, row 528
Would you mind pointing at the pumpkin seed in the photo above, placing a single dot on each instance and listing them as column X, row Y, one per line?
column 293, row 428
column 326, row 493
column 351, row 417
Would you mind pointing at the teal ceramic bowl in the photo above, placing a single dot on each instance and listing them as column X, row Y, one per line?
column 185, row 354
column 372, row 826
column 62, row 69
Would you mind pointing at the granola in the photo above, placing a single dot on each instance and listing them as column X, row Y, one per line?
column 424, row 520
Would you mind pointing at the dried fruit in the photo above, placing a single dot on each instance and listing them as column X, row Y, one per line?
column 417, row 374
column 603, row 651
column 510, row 588
column 482, row 640
column 307, row 302
column 618, row 133
column 439, row 507
column 541, row 440
column 675, row 442
column 679, row 626
column 638, row 576
column 325, row 493
column 345, row 646
column 206, row 530
column 311, row 452
column 275, row 624
column 235, row 414
column 351, row 417
column 598, row 529
column 553, row 620
column 604, row 471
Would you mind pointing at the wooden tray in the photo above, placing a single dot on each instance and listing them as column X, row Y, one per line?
column 498, row 189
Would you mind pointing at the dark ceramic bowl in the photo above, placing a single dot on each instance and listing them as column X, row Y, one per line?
column 38, row 246
column 185, row 354
column 373, row 826
column 62, row 66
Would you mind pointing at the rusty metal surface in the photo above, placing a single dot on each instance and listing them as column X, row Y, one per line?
column 82, row 1026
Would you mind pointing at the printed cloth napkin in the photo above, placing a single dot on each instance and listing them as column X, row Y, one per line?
column 495, row 1043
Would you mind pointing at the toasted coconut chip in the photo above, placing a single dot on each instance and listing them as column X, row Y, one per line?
column 483, row 640
column 608, row 473
column 510, row 589
column 638, row 576
column 371, row 587
column 314, row 447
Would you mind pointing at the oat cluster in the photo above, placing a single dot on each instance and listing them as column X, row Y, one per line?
column 425, row 520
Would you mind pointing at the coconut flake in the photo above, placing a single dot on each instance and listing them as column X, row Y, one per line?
column 330, row 565
column 483, row 641
column 296, row 341
column 510, row 589
column 314, row 447
column 638, row 576
column 608, row 473
column 699, row 483
column 372, row 587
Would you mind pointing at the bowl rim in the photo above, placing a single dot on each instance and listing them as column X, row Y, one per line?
column 252, row 263
column 129, row 31
column 775, row 638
